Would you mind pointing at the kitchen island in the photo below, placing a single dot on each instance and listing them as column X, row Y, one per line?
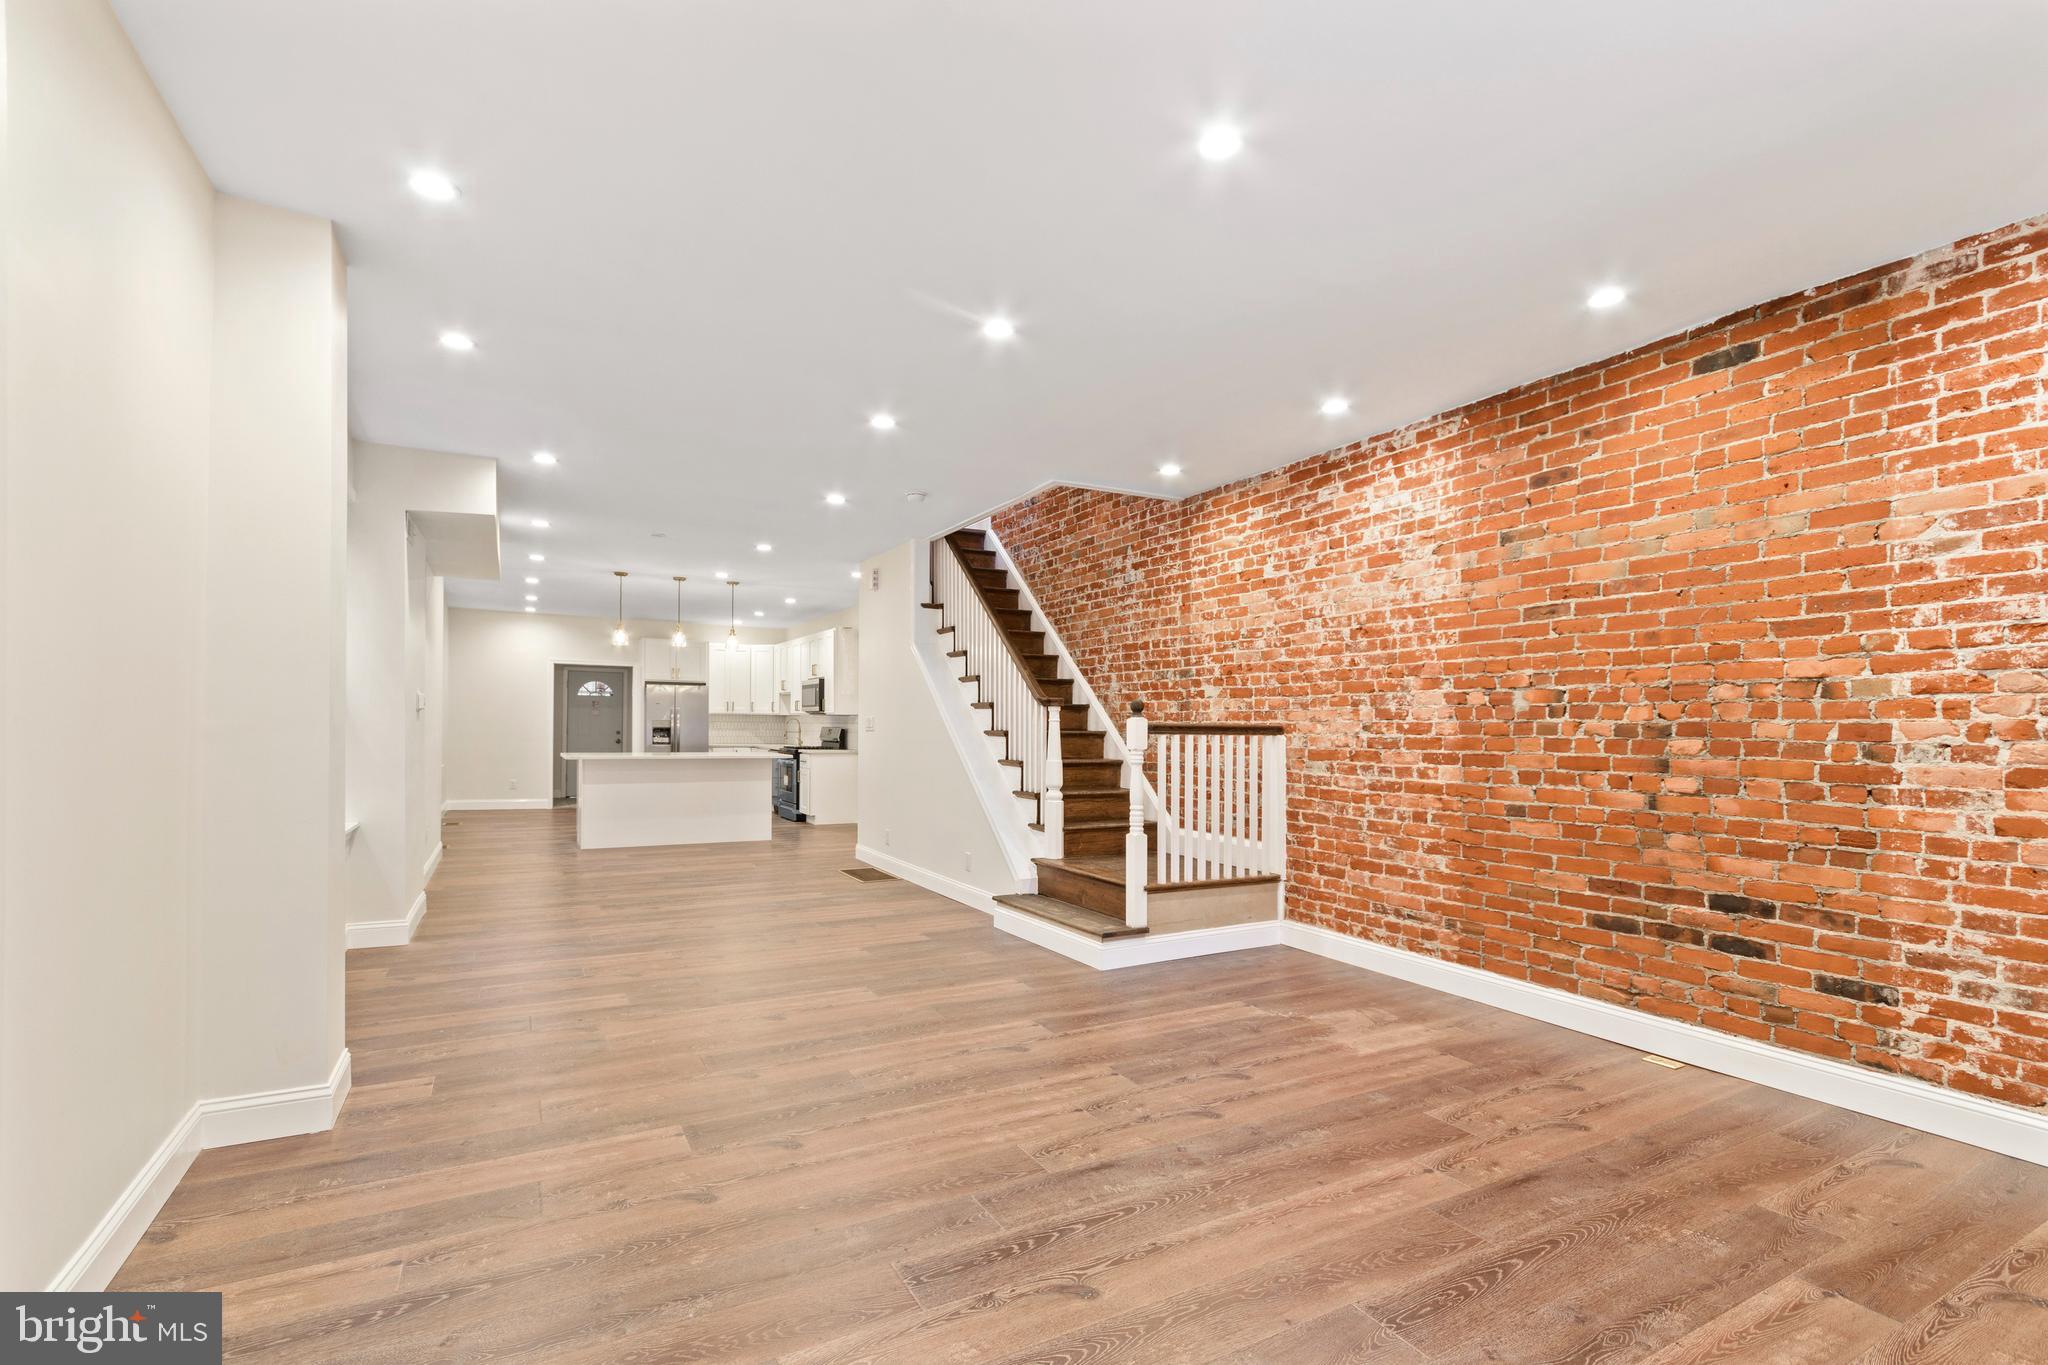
column 642, row 800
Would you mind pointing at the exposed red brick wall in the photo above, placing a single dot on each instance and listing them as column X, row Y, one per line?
column 1710, row 679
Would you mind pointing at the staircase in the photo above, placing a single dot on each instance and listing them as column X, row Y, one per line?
column 1089, row 807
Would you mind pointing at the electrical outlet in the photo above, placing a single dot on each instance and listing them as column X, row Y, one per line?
column 886, row 832
column 513, row 784
column 869, row 725
column 968, row 858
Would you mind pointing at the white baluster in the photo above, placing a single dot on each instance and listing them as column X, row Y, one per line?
column 1052, row 809
column 1179, row 744
column 1251, row 802
column 1230, row 811
column 1247, row 848
column 1275, row 814
column 1135, row 861
column 1165, row 826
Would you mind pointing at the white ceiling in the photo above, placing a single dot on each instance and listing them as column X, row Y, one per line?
column 699, row 242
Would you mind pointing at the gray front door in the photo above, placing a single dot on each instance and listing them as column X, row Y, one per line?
column 594, row 715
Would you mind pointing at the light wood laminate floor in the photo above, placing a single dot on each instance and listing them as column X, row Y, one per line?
column 727, row 1103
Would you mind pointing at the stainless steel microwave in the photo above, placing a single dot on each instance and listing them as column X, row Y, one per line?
column 814, row 696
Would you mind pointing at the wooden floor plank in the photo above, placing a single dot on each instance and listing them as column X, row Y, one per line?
column 726, row 1103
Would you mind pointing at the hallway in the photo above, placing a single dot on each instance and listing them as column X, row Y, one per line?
column 728, row 1103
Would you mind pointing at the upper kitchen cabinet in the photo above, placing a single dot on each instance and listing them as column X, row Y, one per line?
column 743, row 680
column 661, row 661
column 832, row 656
column 842, row 686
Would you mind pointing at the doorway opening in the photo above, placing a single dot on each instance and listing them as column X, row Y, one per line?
column 591, row 716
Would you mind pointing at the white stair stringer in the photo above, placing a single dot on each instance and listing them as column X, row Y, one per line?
column 994, row 785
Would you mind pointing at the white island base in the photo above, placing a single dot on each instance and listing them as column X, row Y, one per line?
column 642, row 800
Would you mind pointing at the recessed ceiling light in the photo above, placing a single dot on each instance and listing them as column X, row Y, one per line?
column 538, row 559
column 458, row 341
column 760, row 613
column 531, row 598
column 998, row 329
column 916, row 495
column 531, row 581
column 543, row 457
column 764, row 547
column 883, row 421
column 856, row 573
column 719, row 574
column 1220, row 141
column 539, row 523
column 1606, row 296
column 789, row 601
column 432, row 185
column 529, row 608
column 1169, row 471
column 835, row 499
column 1335, row 407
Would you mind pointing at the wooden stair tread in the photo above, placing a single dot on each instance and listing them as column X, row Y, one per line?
column 1081, row 921
column 1108, row 868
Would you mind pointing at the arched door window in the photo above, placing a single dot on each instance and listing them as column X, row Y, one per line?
column 594, row 688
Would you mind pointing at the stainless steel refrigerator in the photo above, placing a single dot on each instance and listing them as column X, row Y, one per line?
column 678, row 718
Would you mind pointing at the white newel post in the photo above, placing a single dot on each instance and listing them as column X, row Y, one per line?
column 1136, row 864
column 1273, row 820
column 1052, row 811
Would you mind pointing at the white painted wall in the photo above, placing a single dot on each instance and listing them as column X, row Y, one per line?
column 271, row 895
column 397, row 660
column 106, row 247
column 499, row 743
column 170, row 893
column 848, row 619
column 917, row 803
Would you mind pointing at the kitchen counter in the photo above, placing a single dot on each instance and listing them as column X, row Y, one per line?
column 647, row 800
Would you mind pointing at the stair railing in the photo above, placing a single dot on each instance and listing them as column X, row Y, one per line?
column 1020, row 706
column 1222, row 793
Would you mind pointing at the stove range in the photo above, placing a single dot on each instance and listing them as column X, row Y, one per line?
column 789, row 770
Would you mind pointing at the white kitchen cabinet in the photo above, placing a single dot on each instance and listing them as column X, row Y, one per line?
column 842, row 693
column 828, row 793
column 830, row 656
column 743, row 680
column 661, row 661
column 784, row 673
column 731, row 682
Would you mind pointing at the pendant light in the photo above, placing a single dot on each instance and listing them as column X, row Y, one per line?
column 732, row 634
column 619, row 636
column 678, row 640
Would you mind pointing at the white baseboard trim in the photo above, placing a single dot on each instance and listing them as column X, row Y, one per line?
column 269, row 1114
column 525, row 803
column 209, row 1123
column 388, row 933
column 433, row 861
column 973, row 897
column 1136, row 952
column 93, row 1266
column 1966, row 1118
